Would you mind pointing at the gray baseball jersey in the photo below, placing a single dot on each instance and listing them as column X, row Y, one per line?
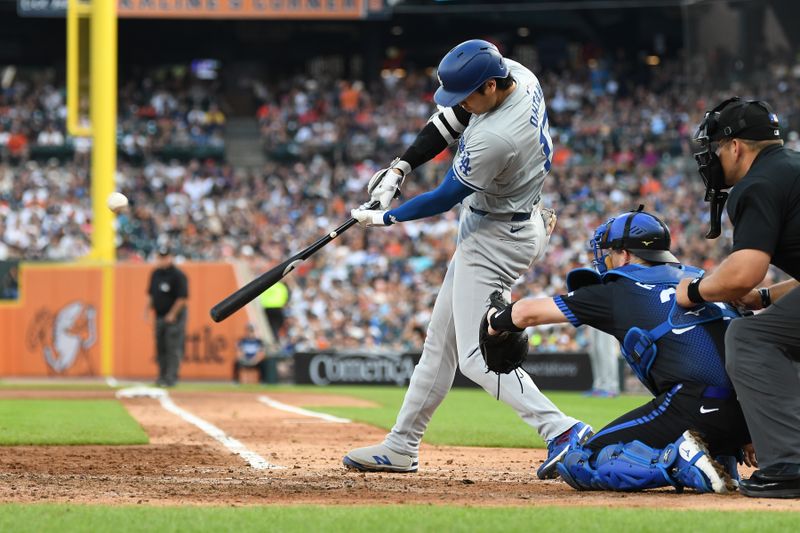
column 504, row 156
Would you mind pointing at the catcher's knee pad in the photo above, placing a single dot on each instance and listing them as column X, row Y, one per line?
column 576, row 470
column 633, row 466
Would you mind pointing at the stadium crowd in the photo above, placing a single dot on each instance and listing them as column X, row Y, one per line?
column 617, row 144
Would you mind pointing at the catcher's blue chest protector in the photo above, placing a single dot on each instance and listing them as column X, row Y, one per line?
column 639, row 345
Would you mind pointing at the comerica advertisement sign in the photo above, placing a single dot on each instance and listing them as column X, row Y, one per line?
column 221, row 9
column 552, row 371
column 325, row 369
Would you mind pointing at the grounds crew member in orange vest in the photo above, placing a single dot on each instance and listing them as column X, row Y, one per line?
column 273, row 300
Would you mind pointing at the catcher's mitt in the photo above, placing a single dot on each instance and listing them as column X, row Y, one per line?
column 505, row 351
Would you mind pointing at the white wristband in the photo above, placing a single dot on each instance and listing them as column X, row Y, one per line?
column 402, row 166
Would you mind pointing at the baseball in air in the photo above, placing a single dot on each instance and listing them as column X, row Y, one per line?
column 117, row 201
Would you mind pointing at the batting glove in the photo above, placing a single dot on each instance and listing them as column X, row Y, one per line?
column 385, row 184
column 369, row 217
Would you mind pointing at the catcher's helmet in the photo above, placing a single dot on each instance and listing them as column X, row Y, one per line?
column 465, row 68
column 638, row 232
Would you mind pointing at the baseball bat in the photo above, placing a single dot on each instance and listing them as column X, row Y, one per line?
column 249, row 292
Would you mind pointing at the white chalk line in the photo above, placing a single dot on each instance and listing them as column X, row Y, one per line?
column 235, row 446
column 300, row 411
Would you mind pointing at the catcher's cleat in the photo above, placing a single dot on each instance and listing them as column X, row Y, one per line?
column 731, row 465
column 559, row 446
column 379, row 458
column 695, row 469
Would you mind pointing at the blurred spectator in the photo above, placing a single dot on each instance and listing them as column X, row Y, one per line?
column 250, row 354
column 50, row 137
column 619, row 141
column 9, row 280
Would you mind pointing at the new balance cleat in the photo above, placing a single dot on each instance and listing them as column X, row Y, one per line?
column 559, row 446
column 379, row 458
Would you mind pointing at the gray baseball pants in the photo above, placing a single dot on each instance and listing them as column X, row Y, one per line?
column 170, row 340
column 490, row 254
column 604, row 357
column 762, row 354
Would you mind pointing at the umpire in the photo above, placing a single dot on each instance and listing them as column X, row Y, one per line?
column 168, row 290
column 742, row 148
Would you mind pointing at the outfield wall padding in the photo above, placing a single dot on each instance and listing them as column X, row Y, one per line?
column 54, row 328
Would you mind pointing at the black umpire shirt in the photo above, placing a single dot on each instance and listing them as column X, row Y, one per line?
column 764, row 208
column 167, row 285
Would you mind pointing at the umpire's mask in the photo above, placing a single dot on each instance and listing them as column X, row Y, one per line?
column 743, row 119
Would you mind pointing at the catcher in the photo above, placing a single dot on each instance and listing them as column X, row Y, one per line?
column 695, row 424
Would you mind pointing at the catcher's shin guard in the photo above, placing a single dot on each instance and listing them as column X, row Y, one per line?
column 633, row 466
column 622, row 467
column 575, row 469
column 636, row 466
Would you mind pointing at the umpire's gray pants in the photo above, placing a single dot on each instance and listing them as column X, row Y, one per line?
column 170, row 340
column 763, row 361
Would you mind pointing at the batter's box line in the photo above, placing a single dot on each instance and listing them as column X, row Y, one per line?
column 269, row 402
column 233, row 445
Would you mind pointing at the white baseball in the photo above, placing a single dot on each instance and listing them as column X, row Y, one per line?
column 117, row 201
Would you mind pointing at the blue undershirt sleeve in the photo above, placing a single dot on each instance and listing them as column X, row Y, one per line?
column 450, row 192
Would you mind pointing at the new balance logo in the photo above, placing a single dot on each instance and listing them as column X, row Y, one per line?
column 704, row 411
column 382, row 460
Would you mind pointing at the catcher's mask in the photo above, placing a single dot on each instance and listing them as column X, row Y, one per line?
column 743, row 119
column 637, row 231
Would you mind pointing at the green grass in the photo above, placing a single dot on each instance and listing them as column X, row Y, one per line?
column 56, row 422
column 53, row 384
column 470, row 417
column 467, row 417
column 122, row 519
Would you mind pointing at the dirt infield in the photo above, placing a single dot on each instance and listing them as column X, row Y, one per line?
column 183, row 465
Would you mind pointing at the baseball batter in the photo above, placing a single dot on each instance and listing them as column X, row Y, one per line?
column 496, row 110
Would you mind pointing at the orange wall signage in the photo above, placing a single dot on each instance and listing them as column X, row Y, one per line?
column 250, row 9
column 54, row 328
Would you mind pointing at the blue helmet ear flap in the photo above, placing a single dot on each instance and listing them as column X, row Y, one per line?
column 598, row 243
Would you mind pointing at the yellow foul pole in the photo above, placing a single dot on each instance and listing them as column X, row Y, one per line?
column 102, row 15
column 76, row 10
column 103, row 114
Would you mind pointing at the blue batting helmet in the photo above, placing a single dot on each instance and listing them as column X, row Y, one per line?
column 638, row 232
column 465, row 68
